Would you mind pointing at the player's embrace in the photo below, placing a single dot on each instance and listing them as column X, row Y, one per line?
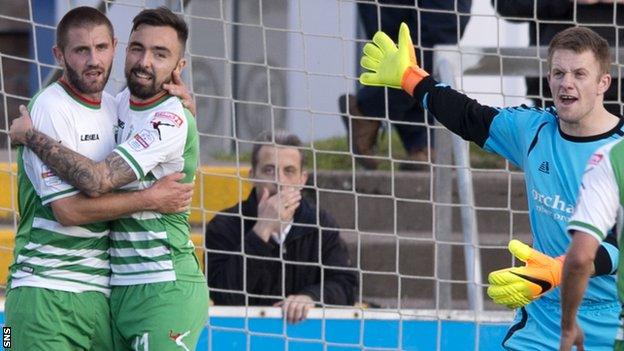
column 159, row 296
column 564, row 136
column 57, row 294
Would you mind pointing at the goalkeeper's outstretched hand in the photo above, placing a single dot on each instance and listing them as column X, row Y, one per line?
column 390, row 66
column 517, row 286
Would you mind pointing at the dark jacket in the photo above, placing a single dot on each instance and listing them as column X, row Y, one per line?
column 262, row 266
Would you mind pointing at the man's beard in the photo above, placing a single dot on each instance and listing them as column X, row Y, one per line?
column 143, row 91
column 76, row 80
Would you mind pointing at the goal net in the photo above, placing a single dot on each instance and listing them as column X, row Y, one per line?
column 421, row 241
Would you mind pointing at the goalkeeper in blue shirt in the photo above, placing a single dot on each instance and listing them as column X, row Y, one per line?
column 552, row 146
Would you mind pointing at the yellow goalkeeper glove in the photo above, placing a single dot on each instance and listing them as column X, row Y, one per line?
column 517, row 286
column 391, row 66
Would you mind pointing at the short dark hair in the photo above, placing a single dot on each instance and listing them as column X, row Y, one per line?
column 279, row 137
column 579, row 40
column 81, row 17
column 162, row 17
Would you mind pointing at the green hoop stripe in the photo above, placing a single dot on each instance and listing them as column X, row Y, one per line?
column 131, row 161
column 55, row 195
column 588, row 227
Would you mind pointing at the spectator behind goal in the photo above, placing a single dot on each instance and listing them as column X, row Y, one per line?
column 281, row 226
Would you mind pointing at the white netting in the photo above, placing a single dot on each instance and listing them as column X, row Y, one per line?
column 269, row 64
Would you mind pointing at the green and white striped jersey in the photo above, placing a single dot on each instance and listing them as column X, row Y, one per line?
column 601, row 200
column 155, row 138
column 47, row 254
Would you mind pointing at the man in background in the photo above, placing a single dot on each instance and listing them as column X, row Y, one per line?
column 294, row 256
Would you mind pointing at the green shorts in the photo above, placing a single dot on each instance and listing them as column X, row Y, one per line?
column 159, row 316
column 44, row 319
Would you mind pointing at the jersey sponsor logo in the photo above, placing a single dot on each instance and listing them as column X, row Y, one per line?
column 49, row 177
column 177, row 338
column 595, row 159
column 157, row 124
column 89, row 137
column 170, row 116
column 141, row 140
column 544, row 167
column 553, row 206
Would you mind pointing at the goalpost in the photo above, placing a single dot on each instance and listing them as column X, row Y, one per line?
column 421, row 242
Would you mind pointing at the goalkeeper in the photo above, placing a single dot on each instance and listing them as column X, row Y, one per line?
column 552, row 146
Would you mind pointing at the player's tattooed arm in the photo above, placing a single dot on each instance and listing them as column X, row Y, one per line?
column 90, row 177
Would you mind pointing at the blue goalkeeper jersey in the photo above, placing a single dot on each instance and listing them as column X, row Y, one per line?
column 553, row 165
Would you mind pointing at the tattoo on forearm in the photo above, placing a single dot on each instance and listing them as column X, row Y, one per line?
column 86, row 175
column 118, row 172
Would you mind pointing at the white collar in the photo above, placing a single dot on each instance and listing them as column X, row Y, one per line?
column 281, row 238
